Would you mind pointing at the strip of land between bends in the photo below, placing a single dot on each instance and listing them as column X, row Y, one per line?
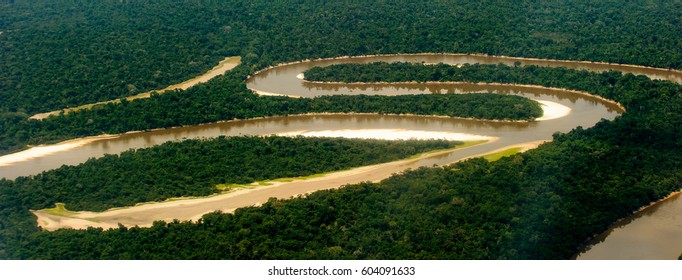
column 520, row 86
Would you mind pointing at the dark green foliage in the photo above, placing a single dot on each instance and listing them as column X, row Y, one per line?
column 61, row 53
column 486, row 106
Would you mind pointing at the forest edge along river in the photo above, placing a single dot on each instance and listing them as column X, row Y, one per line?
column 225, row 65
column 585, row 112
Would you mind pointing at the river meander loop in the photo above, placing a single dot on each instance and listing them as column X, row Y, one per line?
column 570, row 109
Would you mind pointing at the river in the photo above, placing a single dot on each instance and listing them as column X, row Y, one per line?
column 650, row 234
column 585, row 111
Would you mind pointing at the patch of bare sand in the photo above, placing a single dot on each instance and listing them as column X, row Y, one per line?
column 43, row 150
column 265, row 93
column 552, row 110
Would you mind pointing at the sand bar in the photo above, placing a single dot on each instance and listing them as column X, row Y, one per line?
column 43, row 150
column 552, row 110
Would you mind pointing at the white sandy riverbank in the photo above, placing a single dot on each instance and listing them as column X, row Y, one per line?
column 43, row 150
column 552, row 110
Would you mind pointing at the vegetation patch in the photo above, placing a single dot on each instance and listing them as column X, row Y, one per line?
column 464, row 144
column 58, row 210
column 284, row 180
column 501, row 154
column 228, row 187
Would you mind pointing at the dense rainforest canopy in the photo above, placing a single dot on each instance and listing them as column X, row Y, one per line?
column 63, row 53
column 540, row 204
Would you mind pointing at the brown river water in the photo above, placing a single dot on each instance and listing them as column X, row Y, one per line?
column 586, row 111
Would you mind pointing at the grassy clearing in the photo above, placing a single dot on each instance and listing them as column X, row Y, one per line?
column 470, row 143
column 228, row 187
column 231, row 187
column 501, row 154
column 286, row 180
column 58, row 210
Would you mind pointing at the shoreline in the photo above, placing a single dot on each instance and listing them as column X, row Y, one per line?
column 588, row 243
column 44, row 150
column 556, row 110
column 479, row 55
column 524, row 148
column 584, row 93
column 223, row 66
column 552, row 110
column 389, row 134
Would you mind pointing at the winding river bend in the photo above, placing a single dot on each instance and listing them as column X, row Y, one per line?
column 585, row 111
